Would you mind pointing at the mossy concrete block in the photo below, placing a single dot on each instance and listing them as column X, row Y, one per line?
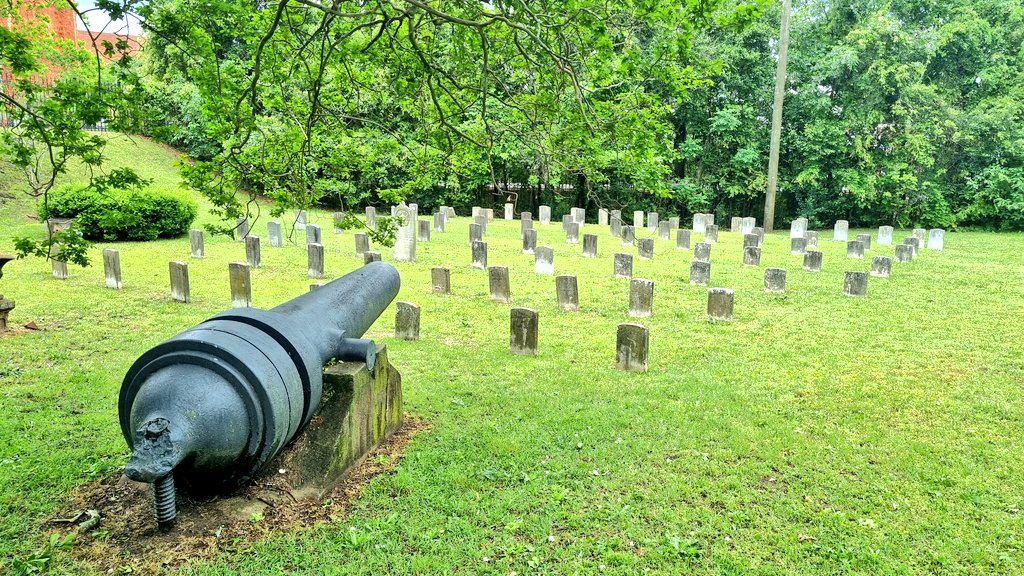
column 359, row 410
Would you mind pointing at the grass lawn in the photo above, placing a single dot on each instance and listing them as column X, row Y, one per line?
column 814, row 434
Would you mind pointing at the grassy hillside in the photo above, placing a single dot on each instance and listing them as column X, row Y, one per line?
column 814, row 434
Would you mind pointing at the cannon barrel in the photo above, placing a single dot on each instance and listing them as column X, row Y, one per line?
column 211, row 406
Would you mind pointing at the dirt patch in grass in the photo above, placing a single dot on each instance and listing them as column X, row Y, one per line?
column 127, row 540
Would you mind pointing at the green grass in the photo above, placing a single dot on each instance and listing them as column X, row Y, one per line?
column 813, row 434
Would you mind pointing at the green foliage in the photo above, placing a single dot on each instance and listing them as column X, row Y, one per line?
column 39, row 562
column 122, row 214
column 67, row 245
column 441, row 103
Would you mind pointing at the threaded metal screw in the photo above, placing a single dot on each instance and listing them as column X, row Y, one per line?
column 164, row 499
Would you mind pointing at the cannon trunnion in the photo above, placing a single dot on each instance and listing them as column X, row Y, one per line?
column 211, row 406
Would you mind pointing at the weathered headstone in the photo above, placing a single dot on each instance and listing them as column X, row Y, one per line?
column 509, row 210
column 338, row 218
column 759, row 232
column 652, row 220
column 775, row 279
column 865, row 239
column 241, row 228
column 59, row 269
column 936, row 238
column 797, row 245
column 841, row 231
column 920, row 234
column 545, row 215
column 720, row 304
column 881, row 266
column 628, row 235
column 529, row 241
column 572, row 232
column 424, row 231
column 623, row 266
column 523, row 331
column 479, row 250
column 904, row 253
column 700, row 272
column 751, row 255
column 702, row 252
column 664, row 230
column 477, row 211
column 313, row 235
column 525, row 223
column 315, row 260
column 673, row 223
column 370, row 256
column 498, row 282
column 195, row 243
column 797, row 228
column 913, row 242
column 439, row 221
column 407, row 321
column 631, row 347
column 641, row 297
column 441, row 280
column 812, row 261
column 735, row 224
column 450, row 213
column 489, row 213
column 476, row 233
column 590, row 245
column 854, row 249
column 602, row 217
column 482, row 220
column 638, row 219
column 747, row 224
column 404, row 240
column 812, row 239
column 711, row 234
column 371, row 217
column 700, row 224
column 855, row 283
column 682, row 239
column 112, row 268
column 362, row 243
column 179, row 282
column 252, row 250
column 300, row 219
column 274, row 237
column 566, row 220
column 567, row 292
column 579, row 216
column 885, row 235
column 544, row 260
column 645, row 248
column 241, row 285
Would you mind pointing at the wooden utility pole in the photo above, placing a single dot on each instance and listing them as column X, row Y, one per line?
column 780, row 94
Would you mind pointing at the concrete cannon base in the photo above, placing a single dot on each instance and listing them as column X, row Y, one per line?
column 360, row 409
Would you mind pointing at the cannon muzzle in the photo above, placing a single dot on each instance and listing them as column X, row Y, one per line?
column 211, row 406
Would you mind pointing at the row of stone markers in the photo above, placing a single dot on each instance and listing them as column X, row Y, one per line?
column 238, row 279
column 641, row 290
column 631, row 346
column 935, row 237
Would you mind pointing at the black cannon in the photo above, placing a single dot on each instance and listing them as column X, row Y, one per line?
column 212, row 405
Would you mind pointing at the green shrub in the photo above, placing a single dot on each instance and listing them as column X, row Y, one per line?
column 135, row 214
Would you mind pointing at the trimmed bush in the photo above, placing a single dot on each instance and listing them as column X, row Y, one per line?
column 136, row 214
